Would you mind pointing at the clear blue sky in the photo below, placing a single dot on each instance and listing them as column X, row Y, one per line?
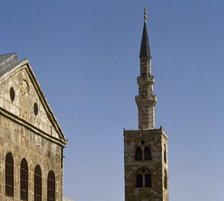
column 85, row 56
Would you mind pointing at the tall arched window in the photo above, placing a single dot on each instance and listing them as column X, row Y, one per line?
column 9, row 175
column 165, row 180
column 24, row 180
column 164, row 153
column 138, row 154
column 148, row 180
column 139, row 181
column 51, row 186
column 147, row 154
column 37, row 184
column 143, row 178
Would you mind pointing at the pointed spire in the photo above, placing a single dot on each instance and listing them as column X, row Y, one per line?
column 145, row 48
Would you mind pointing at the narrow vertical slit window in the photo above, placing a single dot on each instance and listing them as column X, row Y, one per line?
column 9, row 175
column 37, row 184
column 164, row 153
column 24, row 180
column 51, row 186
column 165, row 180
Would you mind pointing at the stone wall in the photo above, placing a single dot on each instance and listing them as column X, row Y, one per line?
column 156, row 139
column 27, row 93
column 37, row 150
column 28, row 129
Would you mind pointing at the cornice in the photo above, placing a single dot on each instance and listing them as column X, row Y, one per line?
column 31, row 127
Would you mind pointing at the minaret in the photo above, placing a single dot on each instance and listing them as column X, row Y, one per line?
column 146, row 99
column 146, row 149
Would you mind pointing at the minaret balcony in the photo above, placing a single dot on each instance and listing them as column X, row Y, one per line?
column 145, row 80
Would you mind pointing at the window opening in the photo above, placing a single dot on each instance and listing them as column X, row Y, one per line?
column 139, row 181
column 37, row 184
column 9, row 175
column 147, row 154
column 148, row 180
column 24, row 180
column 51, row 186
column 138, row 154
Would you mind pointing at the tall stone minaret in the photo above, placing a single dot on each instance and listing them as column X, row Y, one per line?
column 146, row 149
column 146, row 99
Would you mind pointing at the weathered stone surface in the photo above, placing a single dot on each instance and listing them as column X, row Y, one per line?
column 28, row 132
column 157, row 140
column 145, row 150
column 146, row 99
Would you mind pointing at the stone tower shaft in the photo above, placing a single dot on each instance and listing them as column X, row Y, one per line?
column 146, row 99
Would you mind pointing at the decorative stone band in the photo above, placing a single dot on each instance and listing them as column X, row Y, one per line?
column 145, row 80
column 147, row 101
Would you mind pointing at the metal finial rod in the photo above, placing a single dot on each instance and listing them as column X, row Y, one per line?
column 145, row 13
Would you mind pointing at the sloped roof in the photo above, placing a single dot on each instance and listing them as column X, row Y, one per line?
column 8, row 62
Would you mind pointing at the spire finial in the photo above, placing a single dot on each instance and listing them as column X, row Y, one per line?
column 145, row 13
column 145, row 49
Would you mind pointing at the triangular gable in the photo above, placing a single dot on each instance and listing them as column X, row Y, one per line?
column 21, row 96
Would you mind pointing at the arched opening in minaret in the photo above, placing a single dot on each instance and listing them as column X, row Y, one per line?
column 139, row 181
column 143, row 178
column 165, row 180
column 138, row 154
column 147, row 153
column 148, row 180
column 164, row 153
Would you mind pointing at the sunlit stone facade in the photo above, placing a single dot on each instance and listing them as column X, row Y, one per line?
column 31, row 141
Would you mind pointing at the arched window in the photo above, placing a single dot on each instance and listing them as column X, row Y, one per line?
column 165, row 180
column 143, row 178
column 164, row 153
column 147, row 154
column 37, row 184
column 9, row 175
column 24, row 180
column 51, row 186
column 138, row 154
column 139, row 181
column 148, row 180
